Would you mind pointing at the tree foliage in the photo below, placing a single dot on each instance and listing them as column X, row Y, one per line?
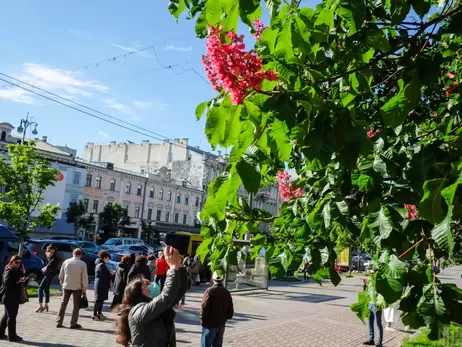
column 113, row 218
column 76, row 214
column 25, row 175
column 366, row 111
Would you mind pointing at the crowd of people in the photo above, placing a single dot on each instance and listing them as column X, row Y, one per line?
column 146, row 294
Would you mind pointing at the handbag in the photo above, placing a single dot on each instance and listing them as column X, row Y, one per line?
column 24, row 296
column 45, row 270
column 83, row 302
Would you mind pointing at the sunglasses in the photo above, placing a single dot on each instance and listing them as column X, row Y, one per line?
column 17, row 262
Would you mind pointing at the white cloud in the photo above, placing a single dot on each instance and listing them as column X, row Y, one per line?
column 16, row 95
column 142, row 105
column 134, row 47
column 74, row 31
column 177, row 48
column 103, row 134
column 160, row 106
column 124, row 109
column 124, row 48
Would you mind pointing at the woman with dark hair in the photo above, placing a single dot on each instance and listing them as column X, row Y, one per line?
column 13, row 282
column 120, row 281
column 102, row 284
column 49, row 271
column 152, row 267
column 143, row 321
column 140, row 268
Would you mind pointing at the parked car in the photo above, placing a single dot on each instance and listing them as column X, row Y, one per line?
column 89, row 247
column 121, row 241
column 115, row 260
column 137, row 249
column 64, row 249
column 9, row 246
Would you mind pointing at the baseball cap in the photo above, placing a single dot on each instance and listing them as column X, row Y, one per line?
column 217, row 277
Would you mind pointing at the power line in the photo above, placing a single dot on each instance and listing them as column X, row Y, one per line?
column 95, row 116
column 81, row 105
column 112, row 59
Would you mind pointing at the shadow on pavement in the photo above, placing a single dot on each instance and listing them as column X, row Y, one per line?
column 43, row 344
column 295, row 296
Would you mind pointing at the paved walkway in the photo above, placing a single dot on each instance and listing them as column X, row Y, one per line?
column 289, row 314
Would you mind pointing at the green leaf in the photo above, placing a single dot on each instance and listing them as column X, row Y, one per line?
column 365, row 182
column 249, row 170
column 279, row 133
column 421, row 7
column 353, row 12
column 379, row 165
column 431, row 205
column 273, row 6
column 361, row 307
column 431, row 304
column 204, row 249
column 334, row 277
column 200, row 109
column 399, row 10
column 381, row 222
column 390, row 279
column 442, row 234
column 201, row 24
column 325, row 19
column 395, row 110
column 284, row 50
column 223, row 123
column 249, row 11
column 176, row 7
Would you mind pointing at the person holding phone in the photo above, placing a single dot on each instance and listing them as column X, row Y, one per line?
column 13, row 282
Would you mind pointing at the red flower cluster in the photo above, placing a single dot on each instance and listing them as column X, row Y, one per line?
column 230, row 68
column 258, row 26
column 412, row 212
column 450, row 75
column 287, row 189
column 371, row 133
column 451, row 88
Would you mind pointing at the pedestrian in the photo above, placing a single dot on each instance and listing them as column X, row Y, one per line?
column 120, row 281
column 132, row 260
column 216, row 309
column 375, row 314
column 140, row 268
column 152, row 267
column 74, row 281
column 390, row 314
column 195, row 269
column 139, row 322
column 162, row 268
column 11, row 295
column 187, row 269
column 49, row 271
column 305, row 272
column 101, row 285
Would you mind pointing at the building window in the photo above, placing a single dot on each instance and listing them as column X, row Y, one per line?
column 126, row 207
column 159, row 215
column 184, row 183
column 169, row 195
column 95, row 206
column 167, row 216
column 177, row 215
column 128, row 188
column 161, row 194
column 3, row 138
column 197, row 201
column 86, row 202
column 88, row 181
column 112, row 187
column 178, row 198
column 76, row 179
column 185, row 218
column 138, row 190
column 151, row 192
column 74, row 197
column 137, row 212
column 186, row 200
column 98, row 182
column 196, row 221
column 109, row 203
column 149, row 213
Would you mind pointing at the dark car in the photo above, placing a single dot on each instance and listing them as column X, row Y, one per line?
column 64, row 249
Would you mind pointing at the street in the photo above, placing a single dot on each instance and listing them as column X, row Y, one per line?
column 289, row 314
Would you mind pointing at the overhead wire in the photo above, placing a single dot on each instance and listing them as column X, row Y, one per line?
column 98, row 117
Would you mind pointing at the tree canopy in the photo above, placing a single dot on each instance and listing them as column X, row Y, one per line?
column 76, row 214
column 361, row 99
column 24, row 176
column 113, row 218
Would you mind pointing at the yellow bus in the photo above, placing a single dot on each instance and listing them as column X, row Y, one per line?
column 183, row 241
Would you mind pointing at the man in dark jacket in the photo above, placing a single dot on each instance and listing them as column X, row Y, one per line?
column 216, row 309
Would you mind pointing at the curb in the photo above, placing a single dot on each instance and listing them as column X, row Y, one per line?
column 51, row 294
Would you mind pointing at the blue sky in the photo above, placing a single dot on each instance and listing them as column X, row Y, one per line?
column 41, row 46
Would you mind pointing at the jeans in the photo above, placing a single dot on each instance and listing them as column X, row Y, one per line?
column 212, row 337
column 44, row 288
column 377, row 316
column 160, row 280
column 76, row 295
column 98, row 308
column 9, row 320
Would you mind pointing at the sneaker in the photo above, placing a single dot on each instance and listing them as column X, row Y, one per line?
column 77, row 326
column 3, row 337
column 378, row 345
column 369, row 343
column 387, row 328
column 15, row 339
column 95, row 318
column 102, row 316
column 59, row 325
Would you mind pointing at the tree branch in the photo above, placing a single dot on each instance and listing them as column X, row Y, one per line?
column 380, row 57
column 411, row 248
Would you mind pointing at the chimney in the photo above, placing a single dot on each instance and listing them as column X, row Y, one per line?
column 44, row 138
column 36, row 139
column 145, row 141
column 197, row 147
column 113, row 142
column 166, row 141
column 185, row 141
column 177, row 140
column 90, row 143
column 219, row 153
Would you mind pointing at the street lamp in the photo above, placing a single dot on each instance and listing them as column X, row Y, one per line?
column 24, row 125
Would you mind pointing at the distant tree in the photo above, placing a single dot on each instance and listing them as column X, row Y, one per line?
column 76, row 214
column 25, row 175
column 150, row 232
column 113, row 218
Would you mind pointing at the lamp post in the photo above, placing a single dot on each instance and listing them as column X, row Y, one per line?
column 24, row 125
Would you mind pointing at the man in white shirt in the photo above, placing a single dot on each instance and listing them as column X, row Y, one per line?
column 74, row 281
